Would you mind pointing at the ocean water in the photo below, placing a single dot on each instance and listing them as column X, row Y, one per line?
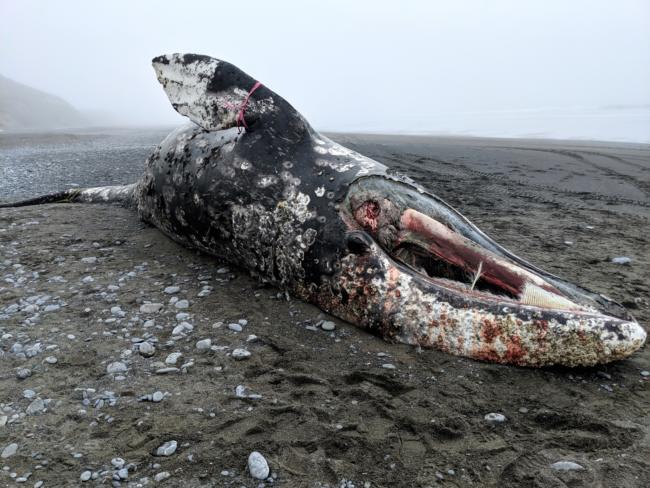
column 625, row 123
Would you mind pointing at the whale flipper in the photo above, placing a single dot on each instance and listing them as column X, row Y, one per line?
column 121, row 194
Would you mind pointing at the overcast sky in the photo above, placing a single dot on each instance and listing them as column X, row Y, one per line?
column 487, row 67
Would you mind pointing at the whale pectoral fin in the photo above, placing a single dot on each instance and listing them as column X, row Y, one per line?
column 212, row 93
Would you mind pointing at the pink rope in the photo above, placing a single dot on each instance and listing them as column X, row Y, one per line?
column 241, row 121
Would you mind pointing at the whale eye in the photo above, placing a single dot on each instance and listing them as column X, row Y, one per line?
column 358, row 242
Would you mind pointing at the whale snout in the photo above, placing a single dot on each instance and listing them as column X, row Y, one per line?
column 440, row 282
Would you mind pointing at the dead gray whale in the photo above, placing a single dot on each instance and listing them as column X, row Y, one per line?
column 251, row 182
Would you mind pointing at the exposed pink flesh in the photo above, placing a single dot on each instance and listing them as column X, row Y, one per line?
column 456, row 249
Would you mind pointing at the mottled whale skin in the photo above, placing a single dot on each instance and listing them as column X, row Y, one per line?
column 344, row 232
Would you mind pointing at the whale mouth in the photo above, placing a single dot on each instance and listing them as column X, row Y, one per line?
column 445, row 257
column 434, row 241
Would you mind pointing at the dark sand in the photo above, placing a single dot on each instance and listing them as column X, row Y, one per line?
column 329, row 412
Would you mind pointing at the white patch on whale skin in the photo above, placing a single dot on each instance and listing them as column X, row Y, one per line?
column 351, row 159
column 186, row 86
column 266, row 180
column 339, row 166
column 320, row 191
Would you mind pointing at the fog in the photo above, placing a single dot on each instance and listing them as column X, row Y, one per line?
column 543, row 68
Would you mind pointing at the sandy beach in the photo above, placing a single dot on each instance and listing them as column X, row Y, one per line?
column 321, row 406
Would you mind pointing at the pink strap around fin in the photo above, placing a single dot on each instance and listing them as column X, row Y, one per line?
column 242, row 108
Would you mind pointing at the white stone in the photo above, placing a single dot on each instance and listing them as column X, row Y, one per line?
column 183, row 328
column 151, row 307
column 118, row 462
column 203, row 344
column 89, row 260
column 173, row 357
column 257, row 466
column 240, row 354
column 23, row 373
column 116, row 367
column 157, row 396
column 117, row 311
column 170, row 290
column 495, row 418
column 567, row 466
column 235, row 327
column 36, row 407
column 388, row 366
column 85, row 476
column 147, row 349
column 163, row 475
column 182, row 304
column 167, row 449
column 621, row 260
column 51, row 360
column 327, row 325
column 9, row 451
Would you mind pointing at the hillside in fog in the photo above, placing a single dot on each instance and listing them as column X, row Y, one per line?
column 23, row 107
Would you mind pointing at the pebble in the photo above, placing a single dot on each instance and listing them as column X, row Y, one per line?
column 51, row 360
column 151, row 307
column 204, row 292
column 116, row 367
column 173, row 357
column 388, row 366
column 157, row 396
column 9, row 451
column 567, row 466
column 235, row 327
column 203, row 344
column 183, row 328
column 621, row 260
column 23, row 373
column 36, row 407
column 182, row 304
column 170, row 290
column 257, row 466
column 89, row 260
column 123, row 473
column 85, row 476
column 118, row 462
column 167, row 449
column 87, row 279
column 163, row 475
column 118, row 312
column 240, row 354
column 327, row 325
column 242, row 392
column 147, row 349
column 495, row 418
column 167, row 370
column 645, row 373
column 182, row 316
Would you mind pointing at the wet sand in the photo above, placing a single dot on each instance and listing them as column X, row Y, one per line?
column 329, row 412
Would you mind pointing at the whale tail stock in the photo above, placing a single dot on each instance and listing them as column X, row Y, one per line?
column 120, row 194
